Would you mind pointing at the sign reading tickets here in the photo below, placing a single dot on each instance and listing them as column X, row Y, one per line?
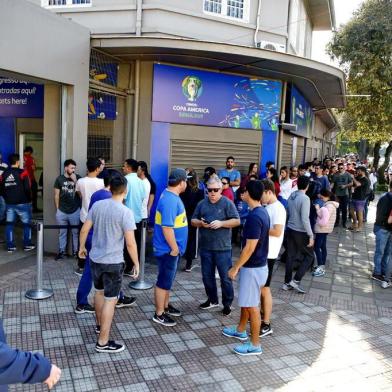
column 189, row 96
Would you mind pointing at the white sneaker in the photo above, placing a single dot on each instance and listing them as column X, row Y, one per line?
column 385, row 284
column 286, row 287
column 295, row 285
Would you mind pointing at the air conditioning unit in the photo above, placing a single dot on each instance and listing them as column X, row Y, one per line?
column 271, row 46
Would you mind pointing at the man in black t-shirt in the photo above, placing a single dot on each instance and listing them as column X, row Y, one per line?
column 67, row 207
column 253, row 271
column 358, row 198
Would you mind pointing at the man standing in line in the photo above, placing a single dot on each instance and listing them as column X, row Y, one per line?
column 358, row 198
column 216, row 216
column 229, row 171
column 112, row 223
column 15, row 188
column 169, row 242
column 85, row 187
column 141, row 173
column 134, row 201
column 300, row 238
column 253, row 271
column 30, row 166
column 67, row 204
column 277, row 216
column 341, row 182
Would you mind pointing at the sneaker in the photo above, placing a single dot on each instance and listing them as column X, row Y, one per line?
column 286, row 287
column 60, row 256
column 128, row 273
column 125, row 302
column 110, row 347
column 27, row 248
column 248, row 349
column 164, row 320
column 226, row 310
column 319, row 271
column 295, row 285
column 11, row 249
column 172, row 311
column 265, row 330
column 208, row 305
column 97, row 329
column 231, row 332
column 378, row 277
column 385, row 284
column 79, row 271
column 80, row 309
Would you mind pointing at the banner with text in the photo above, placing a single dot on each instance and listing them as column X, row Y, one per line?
column 190, row 96
column 301, row 114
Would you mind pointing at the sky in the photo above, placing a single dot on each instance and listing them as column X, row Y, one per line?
column 343, row 13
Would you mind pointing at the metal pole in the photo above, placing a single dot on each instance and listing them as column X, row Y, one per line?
column 141, row 284
column 39, row 293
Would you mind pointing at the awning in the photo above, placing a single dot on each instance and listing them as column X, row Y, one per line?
column 321, row 84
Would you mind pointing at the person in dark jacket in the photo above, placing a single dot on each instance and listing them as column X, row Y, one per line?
column 16, row 190
column 24, row 367
column 191, row 197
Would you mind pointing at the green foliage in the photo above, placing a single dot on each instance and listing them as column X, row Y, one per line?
column 363, row 48
column 381, row 188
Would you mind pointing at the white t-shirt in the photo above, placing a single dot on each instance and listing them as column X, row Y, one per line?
column 87, row 186
column 286, row 188
column 277, row 215
column 147, row 187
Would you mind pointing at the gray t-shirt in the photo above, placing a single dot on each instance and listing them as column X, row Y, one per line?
column 339, row 180
column 111, row 220
column 222, row 210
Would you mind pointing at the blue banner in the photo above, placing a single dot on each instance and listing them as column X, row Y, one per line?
column 301, row 114
column 190, row 96
column 101, row 106
column 21, row 99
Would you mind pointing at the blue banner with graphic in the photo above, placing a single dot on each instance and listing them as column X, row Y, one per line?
column 21, row 99
column 190, row 96
column 102, row 106
column 301, row 114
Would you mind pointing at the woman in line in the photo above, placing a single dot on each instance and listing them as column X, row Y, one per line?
column 286, row 185
column 253, row 171
column 272, row 175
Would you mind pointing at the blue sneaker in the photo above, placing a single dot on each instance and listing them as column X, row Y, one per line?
column 231, row 332
column 248, row 349
column 319, row 271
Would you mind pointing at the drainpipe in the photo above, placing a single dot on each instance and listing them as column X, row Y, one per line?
column 257, row 24
column 281, row 131
column 136, row 109
column 128, row 126
column 139, row 5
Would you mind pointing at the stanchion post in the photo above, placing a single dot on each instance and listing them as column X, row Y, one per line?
column 39, row 292
column 141, row 284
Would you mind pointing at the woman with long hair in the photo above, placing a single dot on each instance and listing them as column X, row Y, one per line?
column 191, row 197
column 252, row 171
column 272, row 174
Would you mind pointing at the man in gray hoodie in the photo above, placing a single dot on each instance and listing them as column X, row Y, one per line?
column 300, row 238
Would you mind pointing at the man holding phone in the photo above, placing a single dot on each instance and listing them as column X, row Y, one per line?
column 216, row 216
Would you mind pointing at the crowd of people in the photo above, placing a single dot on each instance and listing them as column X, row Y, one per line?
column 283, row 214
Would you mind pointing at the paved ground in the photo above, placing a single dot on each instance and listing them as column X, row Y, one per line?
column 338, row 337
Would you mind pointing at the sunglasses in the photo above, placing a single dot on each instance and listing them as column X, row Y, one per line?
column 215, row 190
column 224, row 183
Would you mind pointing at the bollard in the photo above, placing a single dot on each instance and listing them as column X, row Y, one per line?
column 39, row 292
column 141, row 284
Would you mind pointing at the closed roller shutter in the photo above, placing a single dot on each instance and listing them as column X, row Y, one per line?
column 200, row 154
column 308, row 156
column 300, row 155
column 286, row 154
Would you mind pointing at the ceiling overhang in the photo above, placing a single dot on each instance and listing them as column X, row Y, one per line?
column 322, row 14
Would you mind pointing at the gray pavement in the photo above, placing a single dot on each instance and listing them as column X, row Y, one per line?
column 337, row 337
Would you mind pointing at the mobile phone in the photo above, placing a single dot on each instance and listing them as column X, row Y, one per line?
column 205, row 221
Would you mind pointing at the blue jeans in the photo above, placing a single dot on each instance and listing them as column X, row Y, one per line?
column 64, row 219
column 210, row 260
column 383, row 252
column 320, row 248
column 23, row 211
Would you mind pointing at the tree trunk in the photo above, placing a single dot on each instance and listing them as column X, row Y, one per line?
column 388, row 151
column 363, row 149
column 376, row 154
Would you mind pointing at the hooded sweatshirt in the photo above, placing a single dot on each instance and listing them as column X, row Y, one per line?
column 326, row 217
column 298, row 211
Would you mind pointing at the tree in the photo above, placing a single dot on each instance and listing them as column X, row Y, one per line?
column 363, row 48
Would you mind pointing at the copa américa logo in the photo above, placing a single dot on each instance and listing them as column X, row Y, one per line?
column 192, row 88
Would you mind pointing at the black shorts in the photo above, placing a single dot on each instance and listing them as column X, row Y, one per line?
column 107, row 278
column 271, row 263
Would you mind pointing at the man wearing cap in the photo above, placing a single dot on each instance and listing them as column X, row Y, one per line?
column 169, row 243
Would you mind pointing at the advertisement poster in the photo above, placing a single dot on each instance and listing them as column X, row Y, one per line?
column 101, row 106
column 301, row 114
column 21, row 99
column 190, row 96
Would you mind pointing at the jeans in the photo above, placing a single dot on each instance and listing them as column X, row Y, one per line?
column 2, row 208
column 64, row 219
column 383, row 252
column 297, row 249
column 343, row 203
column 23, row 211
column 211, row 259
column 320, row 248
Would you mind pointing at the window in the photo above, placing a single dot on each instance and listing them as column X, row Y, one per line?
column 231, row 9
column 66, row 3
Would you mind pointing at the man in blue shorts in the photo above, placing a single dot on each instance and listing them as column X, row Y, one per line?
column 169, row 242
column 253, row 271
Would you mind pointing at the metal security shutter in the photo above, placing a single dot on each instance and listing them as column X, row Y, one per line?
column 308, row 156
column 287, row 154
column 200, row 154
column 300, row 155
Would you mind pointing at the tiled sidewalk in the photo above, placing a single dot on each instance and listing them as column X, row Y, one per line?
column 337, row 337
